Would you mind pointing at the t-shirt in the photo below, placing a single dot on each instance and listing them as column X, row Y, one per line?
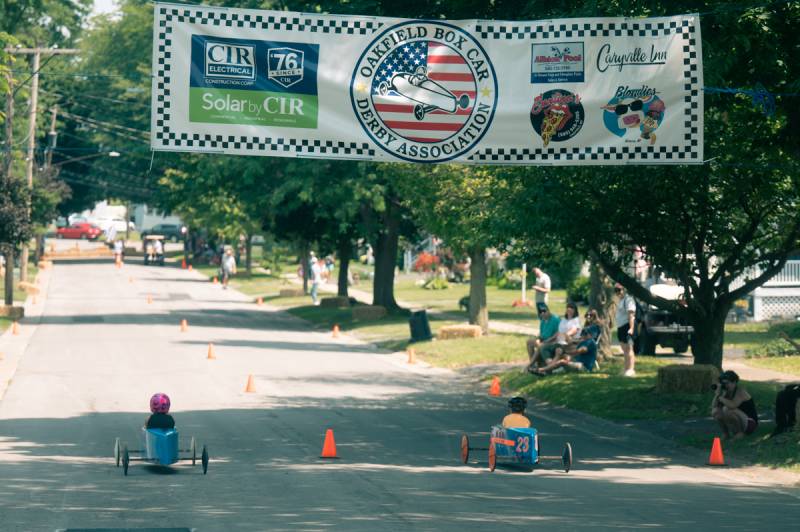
column 588, row 358
column 542, row 281
column 565, row 325
column 229, row 263
column 627, row 304
column 594, row 331
column 516, row 421
column 548, row 328
column 316, row 273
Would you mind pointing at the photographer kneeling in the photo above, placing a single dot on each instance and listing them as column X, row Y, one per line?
column 733, row 407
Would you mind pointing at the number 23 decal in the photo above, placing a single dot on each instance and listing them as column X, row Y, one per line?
column 523, row 444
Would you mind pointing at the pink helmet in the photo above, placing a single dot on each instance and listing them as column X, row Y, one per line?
column 159, row 403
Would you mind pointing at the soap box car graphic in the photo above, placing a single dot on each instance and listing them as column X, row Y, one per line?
column 429, row 95
column 160, row 448
column 517, row 447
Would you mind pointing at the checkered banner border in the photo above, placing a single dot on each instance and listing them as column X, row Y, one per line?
column 302, row 147
column 688, row 151
column 632, row 28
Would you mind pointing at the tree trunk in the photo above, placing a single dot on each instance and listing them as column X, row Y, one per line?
column 478, row 311
column 385, row 259
column 708, row 337
column 345, row 251
column 9, row 280
column 304, row 264
column 248, row 254
column 601, row 298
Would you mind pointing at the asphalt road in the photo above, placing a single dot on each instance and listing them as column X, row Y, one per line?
column 99, row 350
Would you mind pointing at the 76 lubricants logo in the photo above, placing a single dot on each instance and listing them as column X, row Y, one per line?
column 424, row 91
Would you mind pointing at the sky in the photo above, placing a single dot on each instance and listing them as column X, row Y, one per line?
column 103, row 6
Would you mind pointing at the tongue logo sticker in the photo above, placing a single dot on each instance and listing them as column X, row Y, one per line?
column 557, row 115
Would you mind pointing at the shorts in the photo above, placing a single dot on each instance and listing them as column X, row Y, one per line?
column 751, row 427
column 549, row 350
column 576, row 366
column 623, row 336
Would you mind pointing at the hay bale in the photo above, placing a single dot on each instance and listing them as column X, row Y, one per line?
column 292, row 292
column 29, row 288
column 12, row 312
column 449, row 332
column 369, row 312
column 686, row 378
column 335, row 302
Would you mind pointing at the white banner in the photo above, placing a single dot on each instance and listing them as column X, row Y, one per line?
column 565, row 92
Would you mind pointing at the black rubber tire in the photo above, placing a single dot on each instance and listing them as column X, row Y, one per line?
column 419, row 112
column 647, row 344
column 116, row 451
column 193, row 450
column 464, row 448
column 84, row 237
column 204, row 459
column 566, row 457
column 59, row 236
column 492, row 457
column 681, row 348
column 126, row 460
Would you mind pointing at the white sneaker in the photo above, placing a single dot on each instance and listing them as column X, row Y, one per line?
column 629, row 373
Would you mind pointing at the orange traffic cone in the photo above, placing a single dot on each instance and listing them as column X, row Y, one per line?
column 412, row 354
column 149, row 299
column 716, row 458
column 329, row 447
column 494, row 389
column 251, row 387
column 215, row 281
column 260, row 301
column 190, row 267
column 15, row 329
column 336, row 331
column 211, row 352
column 183, row 264
column 184, row 325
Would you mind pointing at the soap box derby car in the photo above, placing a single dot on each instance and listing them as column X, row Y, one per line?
column 518, row 447
column 160, row 448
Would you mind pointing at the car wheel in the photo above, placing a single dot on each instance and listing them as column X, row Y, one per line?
column 681, row 347
column 59, row 236
column 492, row 456
column 83, row 236
column 173, row 239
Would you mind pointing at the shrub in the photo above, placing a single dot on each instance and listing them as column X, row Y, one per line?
column 426, row 262
column 578, row 290
column 437, row 283
column 773, row 348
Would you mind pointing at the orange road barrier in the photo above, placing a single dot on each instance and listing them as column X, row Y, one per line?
column 15, row 329
column 211, row 355
column 494, row 389
column 251, row 386
column 716, row 458
column 412, row 354
column 260, row 301
column 149, row 299
column 183, row 264
column 329, row 447
column 215, row 281
column 336, row 331
column 184, row 325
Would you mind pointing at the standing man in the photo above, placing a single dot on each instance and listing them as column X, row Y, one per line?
column 542, row 285
column 228, row 267
column 316, row 279
column 626, row 322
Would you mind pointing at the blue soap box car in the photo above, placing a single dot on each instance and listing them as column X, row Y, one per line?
column 518, row 447
column 160, row 448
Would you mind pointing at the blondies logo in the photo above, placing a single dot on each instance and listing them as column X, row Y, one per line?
column 634, row 113
column 424, row 91
column 229, row 61
column 557, row 115
column 558, row 62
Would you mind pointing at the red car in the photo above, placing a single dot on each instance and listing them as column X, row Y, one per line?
column 82, row 230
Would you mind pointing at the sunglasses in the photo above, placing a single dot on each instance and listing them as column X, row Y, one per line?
column 622, row 108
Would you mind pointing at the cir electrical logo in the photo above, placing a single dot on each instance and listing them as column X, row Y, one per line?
column 424, row 91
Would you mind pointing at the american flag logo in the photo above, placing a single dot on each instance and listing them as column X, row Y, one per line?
column 424, row 91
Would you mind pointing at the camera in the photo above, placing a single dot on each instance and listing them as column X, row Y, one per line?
column 715, row 386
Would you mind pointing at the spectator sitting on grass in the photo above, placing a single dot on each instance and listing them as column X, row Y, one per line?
column 548, row 334
column 569, row 329
column 733, row 408
column 583, row 359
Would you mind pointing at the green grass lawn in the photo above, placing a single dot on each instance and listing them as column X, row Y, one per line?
column 747, row 335
column 493, row 349
column 5, row 323
column 788, row 364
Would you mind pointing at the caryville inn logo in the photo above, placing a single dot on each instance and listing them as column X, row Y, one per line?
column 424, row 91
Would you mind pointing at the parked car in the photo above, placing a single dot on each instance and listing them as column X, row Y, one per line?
column 661, row 327
column 82, row 230
column 171, row 232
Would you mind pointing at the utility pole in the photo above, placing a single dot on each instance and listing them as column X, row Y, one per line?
column 36, row 64
column 9, row 251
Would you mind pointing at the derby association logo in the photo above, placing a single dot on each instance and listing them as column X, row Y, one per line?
column 424, row 91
